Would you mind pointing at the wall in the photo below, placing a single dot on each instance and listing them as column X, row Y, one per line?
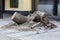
column 24, row 5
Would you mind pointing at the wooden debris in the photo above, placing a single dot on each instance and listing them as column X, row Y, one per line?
column 40, row 18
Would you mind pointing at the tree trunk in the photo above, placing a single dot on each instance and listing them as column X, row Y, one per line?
column 18, row 18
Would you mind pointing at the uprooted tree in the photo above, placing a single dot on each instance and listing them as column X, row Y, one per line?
column 38, row 17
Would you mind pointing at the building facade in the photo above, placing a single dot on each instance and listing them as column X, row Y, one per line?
column 23, row 6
